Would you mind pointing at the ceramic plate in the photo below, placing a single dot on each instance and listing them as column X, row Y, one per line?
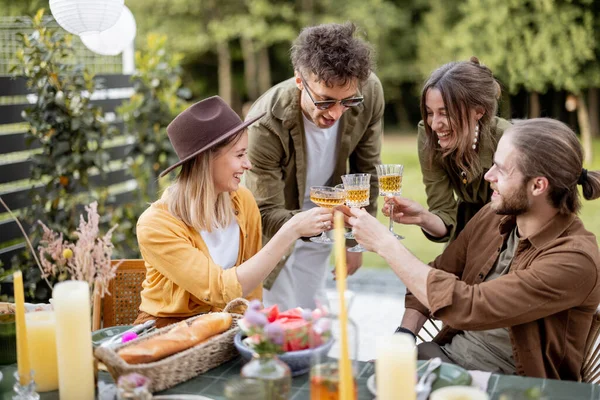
column 448, row 375
column 101, row 335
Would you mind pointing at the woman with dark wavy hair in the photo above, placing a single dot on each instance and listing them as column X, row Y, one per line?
column 457, row 140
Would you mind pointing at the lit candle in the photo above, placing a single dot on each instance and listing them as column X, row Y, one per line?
column 71, row 300
column 396, row 367
column 22, row 351
column 41, row 337
column 346, row 390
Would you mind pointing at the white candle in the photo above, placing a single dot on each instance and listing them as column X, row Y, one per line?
column 396, row 367
column 71, row 300
column 41, row 337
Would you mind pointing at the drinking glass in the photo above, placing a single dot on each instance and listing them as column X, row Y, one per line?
column 328, row 197
column 357, row 189
column 324, row 373
column 390, row 184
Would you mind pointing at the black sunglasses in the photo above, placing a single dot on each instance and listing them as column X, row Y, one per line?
column 327, row 104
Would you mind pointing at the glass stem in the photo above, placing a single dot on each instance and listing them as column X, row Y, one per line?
column 392, row 217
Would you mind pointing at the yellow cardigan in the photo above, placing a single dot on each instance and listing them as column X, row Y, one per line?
column 182, row 279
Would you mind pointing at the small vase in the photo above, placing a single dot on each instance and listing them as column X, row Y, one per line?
column 275, row 374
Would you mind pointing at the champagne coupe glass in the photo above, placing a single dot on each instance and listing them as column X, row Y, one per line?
column 390, row 184
column 357, row 188
column 328, row 197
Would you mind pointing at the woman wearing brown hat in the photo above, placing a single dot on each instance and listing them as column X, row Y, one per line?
column 201, row 242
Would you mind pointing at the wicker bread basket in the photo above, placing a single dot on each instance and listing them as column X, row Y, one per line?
column 181, row 366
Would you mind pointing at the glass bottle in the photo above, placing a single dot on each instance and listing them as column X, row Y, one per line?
column 324, row 372
column 275, row 374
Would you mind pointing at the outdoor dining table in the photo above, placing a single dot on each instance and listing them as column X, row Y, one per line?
column 212, row 383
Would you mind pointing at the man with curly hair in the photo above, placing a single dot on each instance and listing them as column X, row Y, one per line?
column 324, row 122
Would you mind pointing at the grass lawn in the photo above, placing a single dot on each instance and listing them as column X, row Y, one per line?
column 403, row 149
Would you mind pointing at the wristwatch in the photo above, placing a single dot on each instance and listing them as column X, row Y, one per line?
column 404, row 330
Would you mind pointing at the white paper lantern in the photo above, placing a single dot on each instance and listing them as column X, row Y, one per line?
column 86, row 16
column 115, row 39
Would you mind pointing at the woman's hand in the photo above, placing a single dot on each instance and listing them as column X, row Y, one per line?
column 312, row 222
column 367, row 231
column 406, row 211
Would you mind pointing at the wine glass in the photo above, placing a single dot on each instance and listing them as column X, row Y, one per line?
column 390, row 184
column 357, row 188
column 328, row 197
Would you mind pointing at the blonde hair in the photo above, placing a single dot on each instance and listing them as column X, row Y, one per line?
column 192, row 197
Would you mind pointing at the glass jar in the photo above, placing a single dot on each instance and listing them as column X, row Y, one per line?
column 274, row 373
column 239, row 388
column 8, row 339
column 324, row 371
column 133, row 387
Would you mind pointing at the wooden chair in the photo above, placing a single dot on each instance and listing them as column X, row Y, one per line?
column 121, row 306
column 429, row 330
column 590, row 370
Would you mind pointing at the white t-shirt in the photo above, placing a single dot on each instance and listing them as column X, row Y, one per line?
column 321, row 156
column 223, row 244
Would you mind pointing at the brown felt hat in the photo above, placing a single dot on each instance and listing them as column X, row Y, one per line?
column 202, row 126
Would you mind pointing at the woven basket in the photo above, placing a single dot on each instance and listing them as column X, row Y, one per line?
column 181, row 366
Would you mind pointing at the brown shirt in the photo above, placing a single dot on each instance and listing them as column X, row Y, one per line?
column 489, row 350
column 547, row 299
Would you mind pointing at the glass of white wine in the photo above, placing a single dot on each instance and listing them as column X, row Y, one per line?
column 328, row 197
column 390, row 184
column 357, row 188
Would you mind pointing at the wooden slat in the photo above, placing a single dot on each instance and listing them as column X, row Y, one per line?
column 9, row 230
column 18, row 87
column 13, row 87
column 15, row 171
column 8, row 252
column 20, row 198
column 118, row 152
column 11, row 113
column 12, row 142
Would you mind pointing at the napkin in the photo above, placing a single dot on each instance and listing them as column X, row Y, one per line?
column 480, row 379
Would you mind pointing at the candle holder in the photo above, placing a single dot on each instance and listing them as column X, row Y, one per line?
column 27, row 391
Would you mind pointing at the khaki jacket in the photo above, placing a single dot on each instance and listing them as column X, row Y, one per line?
column 547, row 299
column 443, row 181
column 277, row 152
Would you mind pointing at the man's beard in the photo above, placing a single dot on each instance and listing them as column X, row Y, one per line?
column 515, row 204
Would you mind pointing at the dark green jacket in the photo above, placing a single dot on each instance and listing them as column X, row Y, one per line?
column 447, row 197
column 277, row 151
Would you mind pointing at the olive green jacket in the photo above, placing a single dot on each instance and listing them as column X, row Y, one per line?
column 443, row 182
column 277, row 152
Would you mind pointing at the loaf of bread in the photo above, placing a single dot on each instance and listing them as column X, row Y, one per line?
column 179, row 338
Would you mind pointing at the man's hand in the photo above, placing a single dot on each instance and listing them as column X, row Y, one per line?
column 367, row 230
column 353, row 262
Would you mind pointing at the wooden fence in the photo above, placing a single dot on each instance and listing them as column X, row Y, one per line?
column 15, row 165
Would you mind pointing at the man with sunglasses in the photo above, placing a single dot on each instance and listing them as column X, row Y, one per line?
column 324, row 122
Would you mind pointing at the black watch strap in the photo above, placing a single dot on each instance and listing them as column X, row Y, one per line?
column 404, row 330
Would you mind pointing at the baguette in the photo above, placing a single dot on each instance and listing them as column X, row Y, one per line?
column 180, row 338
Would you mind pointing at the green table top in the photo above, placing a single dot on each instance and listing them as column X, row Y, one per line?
column 211, row 384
